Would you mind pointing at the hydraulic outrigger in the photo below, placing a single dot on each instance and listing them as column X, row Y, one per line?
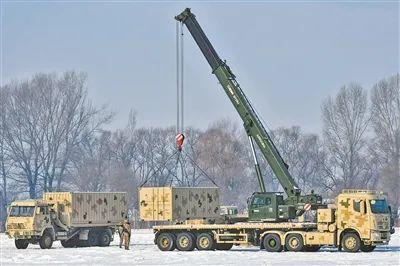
column 262, row 205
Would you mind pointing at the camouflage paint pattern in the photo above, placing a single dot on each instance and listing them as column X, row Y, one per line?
column 178, row 203
column 89, row 208
column 350, row 214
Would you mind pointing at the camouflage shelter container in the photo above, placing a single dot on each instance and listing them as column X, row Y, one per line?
column 178, row 203
column 77, row 209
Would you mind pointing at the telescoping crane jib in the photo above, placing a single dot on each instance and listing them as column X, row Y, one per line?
column 261, row 203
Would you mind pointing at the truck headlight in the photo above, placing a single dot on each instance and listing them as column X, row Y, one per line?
column 375, row 235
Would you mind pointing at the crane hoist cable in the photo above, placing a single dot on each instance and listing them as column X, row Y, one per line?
column 180, row 137
column 180, row 166
column 179, row 79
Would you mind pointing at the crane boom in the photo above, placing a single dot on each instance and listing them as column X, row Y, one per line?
column 251, row 121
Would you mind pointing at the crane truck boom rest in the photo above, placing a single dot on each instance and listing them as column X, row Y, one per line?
column 268, row 206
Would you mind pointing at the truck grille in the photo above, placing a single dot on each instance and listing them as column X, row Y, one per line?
column 383, row 225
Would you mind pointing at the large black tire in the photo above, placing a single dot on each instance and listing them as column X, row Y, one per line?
column 185, row 241
column 93, row 238
column 205, row 241
column 70, row 243
column 272, row 243
column 104, row 239
column 311, row 248
column 294, row 242
column 351, row 242
column 46, row 241
column 166, row 242
column 21, row 243
column 82, row 243
column 365, row 248
column 224, row 246
column 67, row 244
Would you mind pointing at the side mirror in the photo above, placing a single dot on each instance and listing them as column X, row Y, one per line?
column 37, row 210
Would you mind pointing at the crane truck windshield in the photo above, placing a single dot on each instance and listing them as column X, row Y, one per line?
column 379, row 206
column 22, row 211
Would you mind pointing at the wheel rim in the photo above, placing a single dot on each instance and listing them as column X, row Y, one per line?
column 294, row 242
column 272, row 243
column 47, row 241
column 204, row 242
column 184, row 241
column 350, row 242
column 164, row 242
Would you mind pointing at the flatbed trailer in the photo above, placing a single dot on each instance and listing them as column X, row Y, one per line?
column 238, row 226
column 186, row 237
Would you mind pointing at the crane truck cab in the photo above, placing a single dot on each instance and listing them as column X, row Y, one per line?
column 268, row 207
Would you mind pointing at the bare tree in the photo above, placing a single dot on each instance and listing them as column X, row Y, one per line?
column 345, row 120
column 48, row 116
column 5, row 162
column 225, row 158
column 92, row 163
column 304, row 155
column 23, row 132
column 385, row 100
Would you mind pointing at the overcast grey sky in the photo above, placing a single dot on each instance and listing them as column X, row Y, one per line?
column 288, row 57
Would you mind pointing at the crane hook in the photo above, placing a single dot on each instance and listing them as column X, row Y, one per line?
column 179, row 141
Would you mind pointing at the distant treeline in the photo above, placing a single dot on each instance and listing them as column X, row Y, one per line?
column 52, row 138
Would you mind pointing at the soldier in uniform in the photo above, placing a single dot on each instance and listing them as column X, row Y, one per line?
column 119, row 230
column 125, row 234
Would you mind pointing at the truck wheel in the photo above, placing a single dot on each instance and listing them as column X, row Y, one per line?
column 70, row 243
column 365, row 248
column 82, row 243
column 224, row 246
column 205, row 242
column 311, row 248
column 185, row 241
column 21, row 243
column 66, row 244
column 351, row 242
column 104, row 239
column 272, row 243
column 165, row 242
column 46, row 241
column 294, row 242
column 93, row 238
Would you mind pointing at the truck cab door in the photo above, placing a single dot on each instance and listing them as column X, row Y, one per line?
column 261, row 208
column 42, row 217
column 360, row 219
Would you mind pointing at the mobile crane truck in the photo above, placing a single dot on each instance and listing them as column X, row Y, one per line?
column 360, row 219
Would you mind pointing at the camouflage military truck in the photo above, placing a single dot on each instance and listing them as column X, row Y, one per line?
column 359, row 220
column 76, row 219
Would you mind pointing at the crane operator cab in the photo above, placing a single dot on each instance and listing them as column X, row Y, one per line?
column 269, row 206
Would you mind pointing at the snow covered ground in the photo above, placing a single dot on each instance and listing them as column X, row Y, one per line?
column 144, row 252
